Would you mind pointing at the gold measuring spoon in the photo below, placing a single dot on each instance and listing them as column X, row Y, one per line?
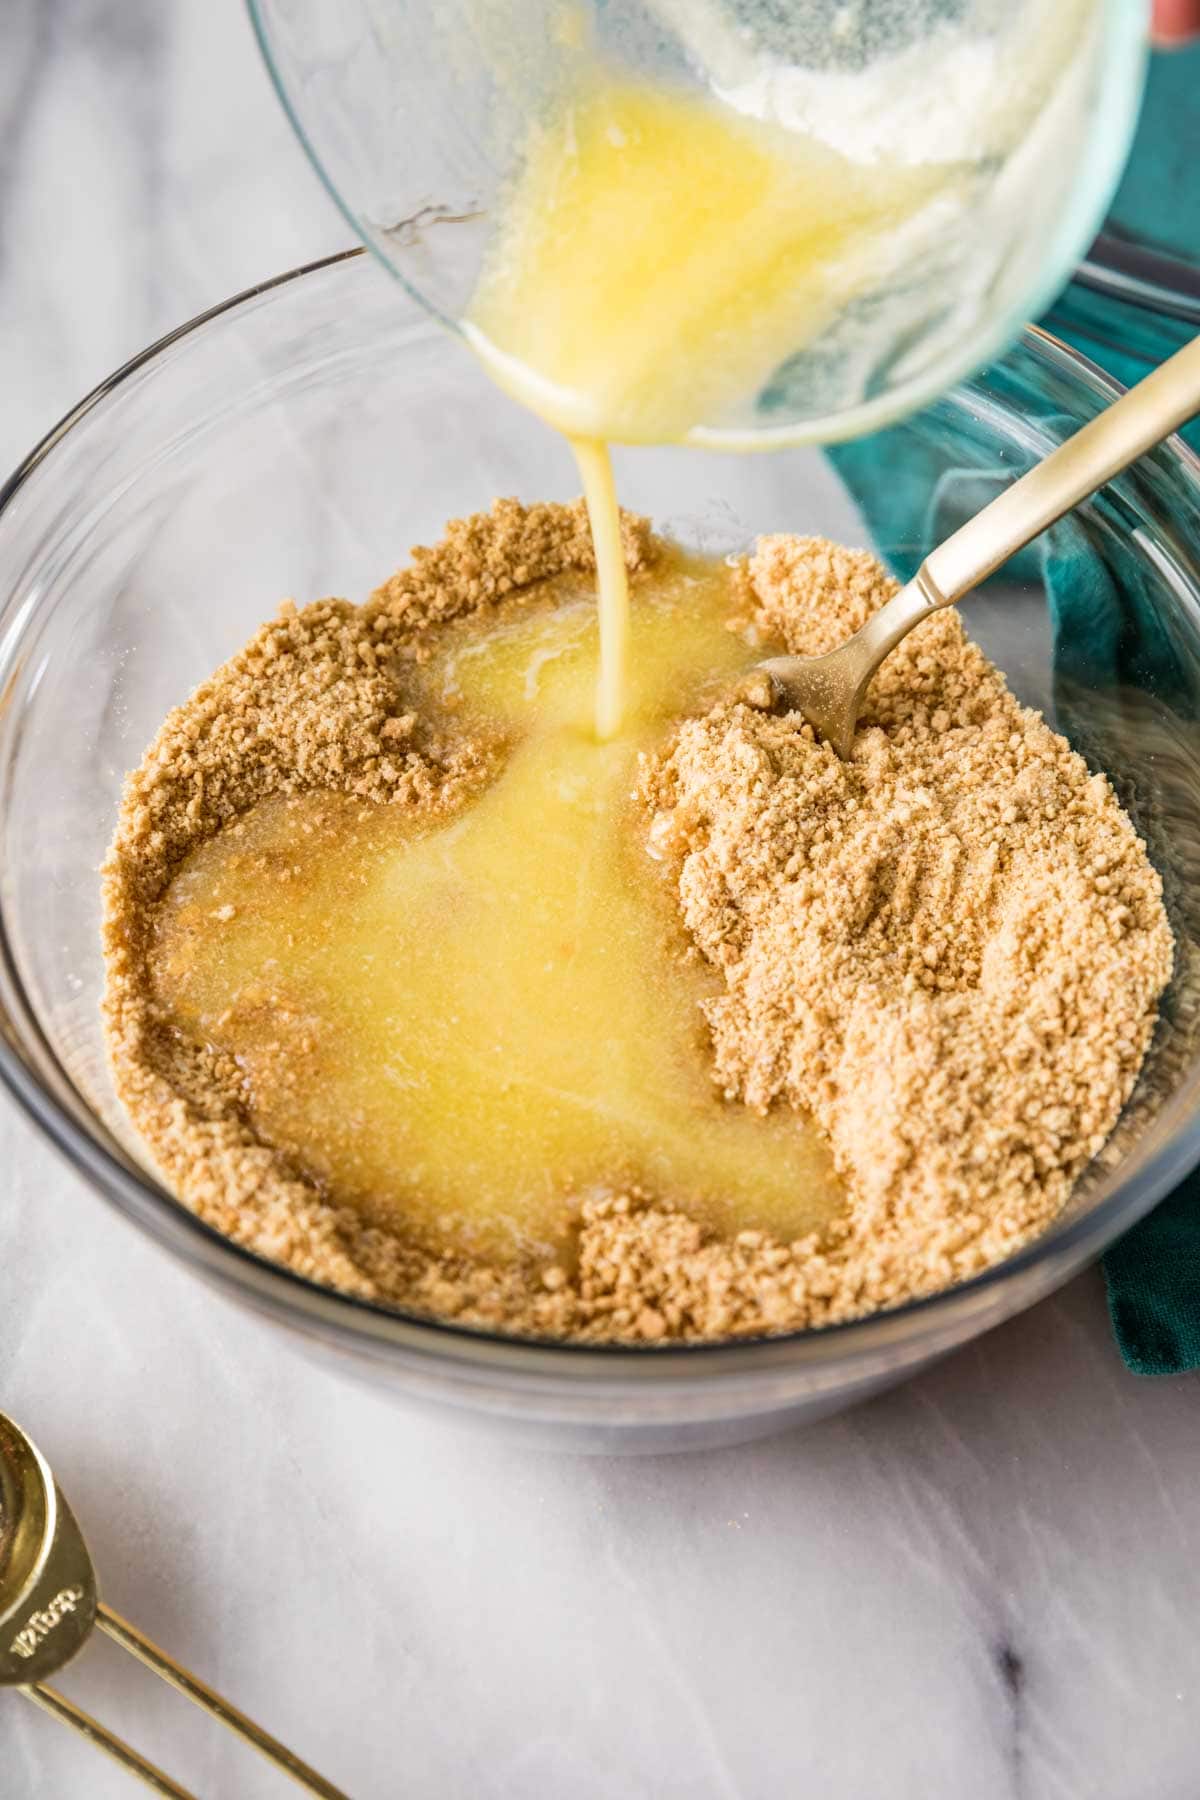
column 829, row 690
column 49, row 1606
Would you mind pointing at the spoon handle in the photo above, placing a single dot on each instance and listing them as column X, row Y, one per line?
column 1141, row 418
column 131, row 1639
column 59, row 1707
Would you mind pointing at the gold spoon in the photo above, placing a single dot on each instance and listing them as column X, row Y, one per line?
column 49, row 1606
column 829, row 690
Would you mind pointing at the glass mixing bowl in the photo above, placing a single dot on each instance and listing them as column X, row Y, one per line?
column 418, row 117
column 297, row 441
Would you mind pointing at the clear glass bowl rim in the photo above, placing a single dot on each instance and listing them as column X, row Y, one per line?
column 373, row 1327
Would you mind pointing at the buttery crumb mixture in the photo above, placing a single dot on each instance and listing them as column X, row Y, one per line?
column 943, row 955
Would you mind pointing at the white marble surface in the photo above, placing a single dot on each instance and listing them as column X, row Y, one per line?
column 986, row 1584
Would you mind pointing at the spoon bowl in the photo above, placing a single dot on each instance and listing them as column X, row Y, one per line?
column 48, row 1595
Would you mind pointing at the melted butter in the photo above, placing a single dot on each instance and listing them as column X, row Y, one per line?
column 659, row 255
column 460, row 1028
column 612, row 584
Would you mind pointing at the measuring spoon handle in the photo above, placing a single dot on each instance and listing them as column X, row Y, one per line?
column 66, row 1711
column 148, row 1652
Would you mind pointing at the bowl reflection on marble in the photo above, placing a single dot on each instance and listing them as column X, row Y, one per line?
column 297, row 441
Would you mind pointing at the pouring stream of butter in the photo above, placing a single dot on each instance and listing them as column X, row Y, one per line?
column 656, row 258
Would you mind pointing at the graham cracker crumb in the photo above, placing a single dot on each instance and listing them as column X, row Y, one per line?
column 948, row 950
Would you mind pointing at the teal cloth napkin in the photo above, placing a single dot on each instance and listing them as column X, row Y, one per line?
column 1153, row 1274
column 1102, row 631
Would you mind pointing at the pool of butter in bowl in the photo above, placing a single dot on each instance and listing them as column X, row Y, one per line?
column 462, row 1028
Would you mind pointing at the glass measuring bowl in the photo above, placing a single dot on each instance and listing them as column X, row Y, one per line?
column 418, row 117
